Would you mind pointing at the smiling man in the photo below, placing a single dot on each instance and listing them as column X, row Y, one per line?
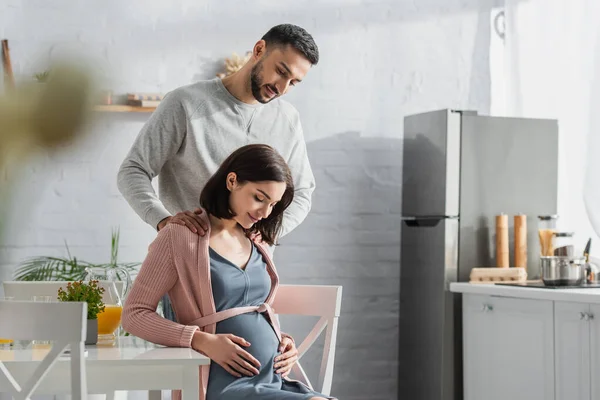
column 197, row 126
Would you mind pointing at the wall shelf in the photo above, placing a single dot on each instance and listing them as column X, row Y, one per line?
column 123, row 108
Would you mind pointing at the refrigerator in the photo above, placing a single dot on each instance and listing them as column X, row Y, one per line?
column 461, row 169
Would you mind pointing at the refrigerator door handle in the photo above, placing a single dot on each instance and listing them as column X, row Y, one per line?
column 426, row 221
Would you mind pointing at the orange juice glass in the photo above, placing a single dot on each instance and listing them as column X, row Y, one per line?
column 116, row 282
column 108, row 321
column 5, row 343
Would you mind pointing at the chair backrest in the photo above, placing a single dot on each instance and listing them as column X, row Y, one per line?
column 64, row 323
column 320, row 301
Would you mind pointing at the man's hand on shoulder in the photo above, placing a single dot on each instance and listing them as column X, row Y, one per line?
column 256, row 237
column 191, row 219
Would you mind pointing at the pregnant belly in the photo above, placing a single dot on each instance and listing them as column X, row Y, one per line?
column 255, row 328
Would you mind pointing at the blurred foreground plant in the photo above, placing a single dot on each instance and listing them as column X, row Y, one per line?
column 44, row 115
column 35, row 116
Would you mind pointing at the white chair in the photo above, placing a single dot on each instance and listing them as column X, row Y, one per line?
column 313, row 300
column 308, row 300
column 65, row 323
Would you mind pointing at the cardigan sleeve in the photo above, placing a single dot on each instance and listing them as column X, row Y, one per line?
column 156, row 277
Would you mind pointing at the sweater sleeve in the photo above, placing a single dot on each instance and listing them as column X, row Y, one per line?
column 304, row 185
column 156, row 277
column 160, row 138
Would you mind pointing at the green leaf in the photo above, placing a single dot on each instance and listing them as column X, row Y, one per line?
column 88, row 292
column 70, row 268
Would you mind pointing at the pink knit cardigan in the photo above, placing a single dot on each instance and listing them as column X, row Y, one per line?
column 178, row 264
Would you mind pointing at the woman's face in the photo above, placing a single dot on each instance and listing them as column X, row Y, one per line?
column 253, row 201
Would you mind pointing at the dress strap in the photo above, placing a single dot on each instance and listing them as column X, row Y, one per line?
column 232, row 312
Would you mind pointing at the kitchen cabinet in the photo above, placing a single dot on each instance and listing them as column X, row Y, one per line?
column 508, row 348
column 595, row 350
column 577, row 351
column 572, row 332
column 523, row 343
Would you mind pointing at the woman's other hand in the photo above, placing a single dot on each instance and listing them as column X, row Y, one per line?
column 285, row 361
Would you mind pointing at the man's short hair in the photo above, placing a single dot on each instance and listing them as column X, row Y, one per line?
column 295, row 36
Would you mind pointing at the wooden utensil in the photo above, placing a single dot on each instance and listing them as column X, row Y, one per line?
column 502, row 254
column 520, row 228
column 586, row 251
column 9, row 79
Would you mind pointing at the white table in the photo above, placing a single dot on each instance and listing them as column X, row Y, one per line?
column 131, row 364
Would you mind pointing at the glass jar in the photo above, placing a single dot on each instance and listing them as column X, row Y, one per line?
column 547, row 221
column 563, row 244
column 546, row 230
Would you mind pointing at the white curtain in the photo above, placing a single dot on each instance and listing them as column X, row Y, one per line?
column 552, row 70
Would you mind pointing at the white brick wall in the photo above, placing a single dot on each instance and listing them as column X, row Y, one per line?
column 380, row 60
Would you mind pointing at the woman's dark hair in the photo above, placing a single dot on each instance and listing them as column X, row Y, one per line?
column 251, row 163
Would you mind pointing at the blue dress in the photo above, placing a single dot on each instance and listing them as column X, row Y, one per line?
column 234, row 287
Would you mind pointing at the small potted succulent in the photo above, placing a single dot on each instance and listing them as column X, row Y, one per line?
column 90, row 293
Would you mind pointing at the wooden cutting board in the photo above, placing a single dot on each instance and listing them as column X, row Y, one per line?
column 493, row 274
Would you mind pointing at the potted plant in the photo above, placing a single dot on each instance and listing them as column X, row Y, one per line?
column 90, row 293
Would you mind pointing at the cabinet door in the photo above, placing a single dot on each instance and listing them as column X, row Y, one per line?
column 572, row 351
column 477, row 322
column 509, row 346
column 595, row 350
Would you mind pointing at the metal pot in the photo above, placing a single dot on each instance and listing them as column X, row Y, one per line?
column 562, row 270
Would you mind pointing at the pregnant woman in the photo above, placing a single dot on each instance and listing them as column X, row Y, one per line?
column 222, row 285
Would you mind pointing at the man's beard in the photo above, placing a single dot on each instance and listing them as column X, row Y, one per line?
column 256, row 83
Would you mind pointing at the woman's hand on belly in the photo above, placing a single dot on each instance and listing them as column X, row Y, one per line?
column 285, row 362
column 225, row 350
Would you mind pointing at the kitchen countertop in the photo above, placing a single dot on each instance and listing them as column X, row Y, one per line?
column 572, row 295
